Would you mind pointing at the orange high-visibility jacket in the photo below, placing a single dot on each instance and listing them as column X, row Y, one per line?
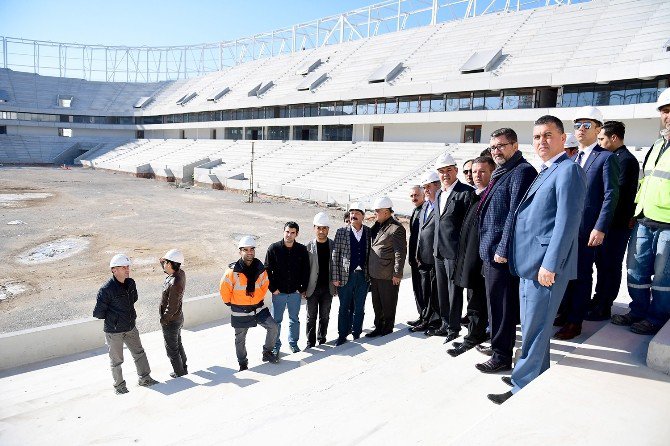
column 233, row 289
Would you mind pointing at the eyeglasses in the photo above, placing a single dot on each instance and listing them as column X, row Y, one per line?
column 466, row 171
column 499, row 147
column 578, row 125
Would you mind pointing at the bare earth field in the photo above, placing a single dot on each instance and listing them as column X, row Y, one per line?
column 59, row 228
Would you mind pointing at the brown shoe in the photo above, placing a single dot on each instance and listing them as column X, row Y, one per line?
column 569, row 331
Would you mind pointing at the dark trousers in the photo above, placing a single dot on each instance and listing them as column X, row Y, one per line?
column 174, row 347
column 318, row 303
column 477, row 313
column 384, row 303
column 449, row 295
column 502, row 296
column 431, row 311
column 609, row 263
column 578, row 293
column 352, row 305
column 418, row 292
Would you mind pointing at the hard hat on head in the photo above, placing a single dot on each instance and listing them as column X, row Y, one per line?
column 589, row 112
column 120, row 260
column 247, row 241
column 357, row 206
column 445, row 160
column 663, row 99
column 429, row 177
column 321, row 219
column 382, row 203
column 570, row 141
column 174, row 255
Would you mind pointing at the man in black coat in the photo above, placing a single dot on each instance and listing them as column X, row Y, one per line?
column 417, row 197
column 451, row 204
column 609, row 256
column 469, row 264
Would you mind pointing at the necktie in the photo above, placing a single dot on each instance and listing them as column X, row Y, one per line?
column 579, row 157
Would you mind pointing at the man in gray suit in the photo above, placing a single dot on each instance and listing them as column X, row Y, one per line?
column 544, row 249
column 320, row 288
column 388, row 250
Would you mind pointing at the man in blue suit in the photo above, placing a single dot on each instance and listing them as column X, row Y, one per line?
column 602, row 195
column 543, row 251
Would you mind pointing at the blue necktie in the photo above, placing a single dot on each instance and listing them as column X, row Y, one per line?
column 579, row 157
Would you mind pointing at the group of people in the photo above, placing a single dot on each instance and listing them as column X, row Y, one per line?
column 521, row 243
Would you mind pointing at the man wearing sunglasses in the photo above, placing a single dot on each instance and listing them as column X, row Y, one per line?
column 602, row 194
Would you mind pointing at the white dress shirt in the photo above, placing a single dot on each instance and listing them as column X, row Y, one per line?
column 444, row 197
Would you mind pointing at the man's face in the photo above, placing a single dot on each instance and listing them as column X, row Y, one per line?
column 121, row 273
column 247, row 254
column 416, row 195
column 321, row 233
column 607, row 142
column 447, row 175
column 381, row 215
column 586, row 136
column 356, row 217
column 429, row 191
column 481, row 174
column 548, row 141
column 467, row 172
column 665, row 117
column 502, row 149
column 289, row 235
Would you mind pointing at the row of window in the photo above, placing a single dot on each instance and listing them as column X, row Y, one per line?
column 619, row 93
column 305, row 132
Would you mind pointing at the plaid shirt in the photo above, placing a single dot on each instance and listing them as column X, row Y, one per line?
column 341, row 259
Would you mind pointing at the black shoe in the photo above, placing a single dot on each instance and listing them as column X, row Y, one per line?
column 560, row 320
column 645, row 327
column 493, row 366
column 442, row 331
column 309, row 345
column 598, row 314
column 121, row 389
column 450, row 337
column 499, row 398
column 625, row 319
column 322, row 341
column 423, row 326
column 244, row 367
column 270, row 357
column 373, row 334
column 462, row 348
column 484, row 350
column 356, row 336
column 457, row 344
column 340, row 341
column 507, row 380
column 465, row 320
column 294, row 348
column 415, row 322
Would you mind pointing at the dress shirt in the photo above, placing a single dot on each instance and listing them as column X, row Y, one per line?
column 587, row 151
column 357, row 234
column 444, row 197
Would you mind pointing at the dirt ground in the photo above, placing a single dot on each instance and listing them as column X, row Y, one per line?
column 106, row 213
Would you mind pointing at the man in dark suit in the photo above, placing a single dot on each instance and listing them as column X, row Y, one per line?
column 509, row 183
column 430, row 316
column 602, row 179
column 451, row 203
column 469, row 264
column 417, row 197
column 609, row 256
column 543, row 249
column 388, row 250
column 349, row 267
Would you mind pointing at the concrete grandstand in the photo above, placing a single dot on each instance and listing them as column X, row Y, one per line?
column 347, row 108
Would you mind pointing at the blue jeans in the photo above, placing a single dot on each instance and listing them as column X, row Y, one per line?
column 352, row 305
column 279, row 303
column 648, row 252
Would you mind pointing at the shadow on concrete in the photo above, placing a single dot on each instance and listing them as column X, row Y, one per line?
column 53, row 362
column 214, row 375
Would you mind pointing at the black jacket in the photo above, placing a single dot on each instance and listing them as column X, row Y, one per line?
column 448, row 225
column 468, row 263
column 413, row 235
column 116, row 305
column 628, row 180
column 288, row 269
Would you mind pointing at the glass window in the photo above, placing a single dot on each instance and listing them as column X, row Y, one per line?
column 296, row 111
column 424, row 104
column 585, row 96
column 409, row 105
column 347, row 108
column 311, row 110
column 278, row 133
column 337, row 132
column 601, row 95
column 569, row 98
column 514, row 99
column 438, row 103
column 283, row 112
column 617, row 93
column 648, row 92
column 464, row 102
column 232, row 133
column 306, row 132
column 632, row 93
column 492, row 101
column 478, row 101
column 390, row 106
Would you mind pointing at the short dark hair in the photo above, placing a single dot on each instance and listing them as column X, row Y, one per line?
column 615, row 128
column 346, row 217
column 468, row 161
column 175, row 265
column 485, row 152
column 549, row 119
column 485, row 160
column 292, row 225
column 507, row 132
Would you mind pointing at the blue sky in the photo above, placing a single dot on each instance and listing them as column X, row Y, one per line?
column 158, row 22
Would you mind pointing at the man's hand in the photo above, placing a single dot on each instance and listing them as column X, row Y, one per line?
column 336, row 282
column 499, row 259
column 396, row 281
column 546, row 277
column 303, row 295
column 596, row 238
column 275, row 292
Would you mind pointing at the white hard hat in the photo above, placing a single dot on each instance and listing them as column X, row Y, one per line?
column 175, row 256
column 663, row 99
column 570, row 141
column 357, row 206
column 119, row 260
column 382, row 203
column 589, row 112
column 445, row 160
column 429, row 177
column 321, row 219
column 247, row 241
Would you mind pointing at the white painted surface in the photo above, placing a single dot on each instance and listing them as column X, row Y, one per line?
column 658, row 357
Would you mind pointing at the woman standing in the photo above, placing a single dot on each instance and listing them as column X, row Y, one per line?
column 172, row 317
